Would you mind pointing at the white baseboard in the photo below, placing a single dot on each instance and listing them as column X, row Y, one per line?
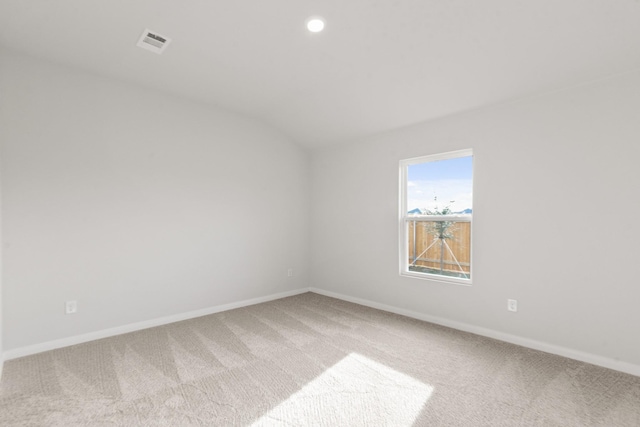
column 582, row 356
column 605, row 362
column 105, row 333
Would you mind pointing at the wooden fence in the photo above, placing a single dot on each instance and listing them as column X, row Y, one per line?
column 422, row 236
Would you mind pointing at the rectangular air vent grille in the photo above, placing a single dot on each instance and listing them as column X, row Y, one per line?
column 153, row 41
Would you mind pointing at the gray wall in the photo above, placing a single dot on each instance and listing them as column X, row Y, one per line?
column 1, row 241
column 138, row 205
column 555, row 203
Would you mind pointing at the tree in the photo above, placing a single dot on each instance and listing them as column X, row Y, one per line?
column 441, row 229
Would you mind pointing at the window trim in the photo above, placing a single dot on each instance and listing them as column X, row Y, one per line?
column 405, row 218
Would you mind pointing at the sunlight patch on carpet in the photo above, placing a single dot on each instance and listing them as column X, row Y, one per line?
column 354, row 391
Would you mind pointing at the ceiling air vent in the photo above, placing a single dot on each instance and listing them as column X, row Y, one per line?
column 153, row 41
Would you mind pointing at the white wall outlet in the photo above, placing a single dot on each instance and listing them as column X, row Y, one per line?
column 70, row 307
column 512, row 305
column 290, row 272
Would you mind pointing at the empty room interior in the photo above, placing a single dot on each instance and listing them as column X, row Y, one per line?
column 319, row 213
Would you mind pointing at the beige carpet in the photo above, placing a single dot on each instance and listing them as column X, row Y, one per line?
column 310, row 360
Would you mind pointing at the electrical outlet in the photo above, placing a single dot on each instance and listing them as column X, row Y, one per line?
column 290, row 272
column 70, row 307
column 512, row 305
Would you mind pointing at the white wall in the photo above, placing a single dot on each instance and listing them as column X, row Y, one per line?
column 138, row 205
column 1, row 327
column 555, row 227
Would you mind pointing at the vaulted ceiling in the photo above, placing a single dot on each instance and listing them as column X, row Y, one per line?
column 379, row 64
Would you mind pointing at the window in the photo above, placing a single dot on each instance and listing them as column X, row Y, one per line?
column 435, row 216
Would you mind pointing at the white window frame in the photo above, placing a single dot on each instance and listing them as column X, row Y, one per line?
column 405, row 218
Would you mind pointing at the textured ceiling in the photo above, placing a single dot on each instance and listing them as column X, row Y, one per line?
column 379, row 64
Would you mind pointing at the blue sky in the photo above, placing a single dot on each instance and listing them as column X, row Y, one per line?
column 450, row 181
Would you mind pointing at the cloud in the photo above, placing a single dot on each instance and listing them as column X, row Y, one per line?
column 455, row 193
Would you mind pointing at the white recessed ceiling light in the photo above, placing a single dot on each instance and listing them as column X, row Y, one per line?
column 315, row 24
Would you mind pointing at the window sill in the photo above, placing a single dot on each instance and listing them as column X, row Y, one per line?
column 436, row 278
